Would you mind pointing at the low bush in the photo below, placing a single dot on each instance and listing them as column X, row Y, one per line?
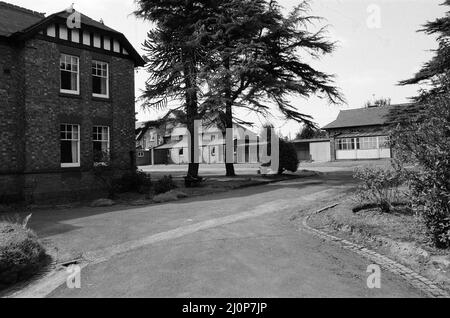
column 288, row 157
column 380, row 186
column 137, row 181
column 425, row 141
column 21, row 253
column 164, row 185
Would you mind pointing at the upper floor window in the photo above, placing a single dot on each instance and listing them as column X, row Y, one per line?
column 70, row 74
column 100, row 79
column 70, row 145
column 100, row 139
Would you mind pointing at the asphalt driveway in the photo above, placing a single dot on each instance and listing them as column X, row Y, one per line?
column 243, row 243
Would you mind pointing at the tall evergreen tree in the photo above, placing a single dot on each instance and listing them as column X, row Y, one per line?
column 174, row 56
column 438, row 68
column 256, row 59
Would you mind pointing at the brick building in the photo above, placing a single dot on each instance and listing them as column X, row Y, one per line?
column 66, row 103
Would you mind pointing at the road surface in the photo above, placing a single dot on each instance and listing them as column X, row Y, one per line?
column 244, row 243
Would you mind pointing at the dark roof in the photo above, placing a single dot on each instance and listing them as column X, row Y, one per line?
column 372, row 116
column 20, row 23
column 88, row 21
column 14, row 19
column 300, row 141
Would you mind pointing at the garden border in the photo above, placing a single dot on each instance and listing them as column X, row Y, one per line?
column 413, row 278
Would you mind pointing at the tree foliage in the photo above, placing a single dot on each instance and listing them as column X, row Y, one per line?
column 309, row 132
column 439, row 65
column 425, row 140
column 221, row 55
column 174, row 55
column 257, row 58
column 378, row 102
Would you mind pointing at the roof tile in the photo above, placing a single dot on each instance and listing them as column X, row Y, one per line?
column 372, row 116
column 14, row 18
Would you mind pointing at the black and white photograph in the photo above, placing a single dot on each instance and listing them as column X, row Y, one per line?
column 225, row 157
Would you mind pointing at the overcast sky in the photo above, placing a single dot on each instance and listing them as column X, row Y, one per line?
column 378, row 46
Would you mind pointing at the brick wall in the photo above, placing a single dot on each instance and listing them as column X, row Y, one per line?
column 11, row 117
column 32, row 122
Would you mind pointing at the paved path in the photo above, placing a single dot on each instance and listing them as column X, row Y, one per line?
column 244, row 243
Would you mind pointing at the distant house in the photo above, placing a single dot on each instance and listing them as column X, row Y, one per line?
column 165, row 142
column 66, row 103
column 363, row 133
column 149, row 135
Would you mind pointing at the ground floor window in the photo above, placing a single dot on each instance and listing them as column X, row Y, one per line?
column 367, row 143
column 346, row 144
column 70, row 145
column 363, row 143
column 100, row 140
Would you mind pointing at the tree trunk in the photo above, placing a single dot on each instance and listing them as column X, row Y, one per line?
column 229, row 124
column 228, row 116
column 191, row 111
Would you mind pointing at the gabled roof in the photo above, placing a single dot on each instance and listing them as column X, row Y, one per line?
column 372, row 116
column 14, row 19
column 17, row 23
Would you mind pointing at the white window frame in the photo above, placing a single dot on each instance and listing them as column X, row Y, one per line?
column 108, row 141
column 107, row 79
column 67, row 91
column 367, row 143
column 75, row 164
column 345, row 144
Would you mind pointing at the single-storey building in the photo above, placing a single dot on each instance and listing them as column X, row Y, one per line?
column 363, row 133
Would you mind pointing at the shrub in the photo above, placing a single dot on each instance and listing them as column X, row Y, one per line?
column 105, row 174
column 164, row 185
column 21, row 254
column 380, row 186
column 137, row 181
column 426, row 142
column 288, row 157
